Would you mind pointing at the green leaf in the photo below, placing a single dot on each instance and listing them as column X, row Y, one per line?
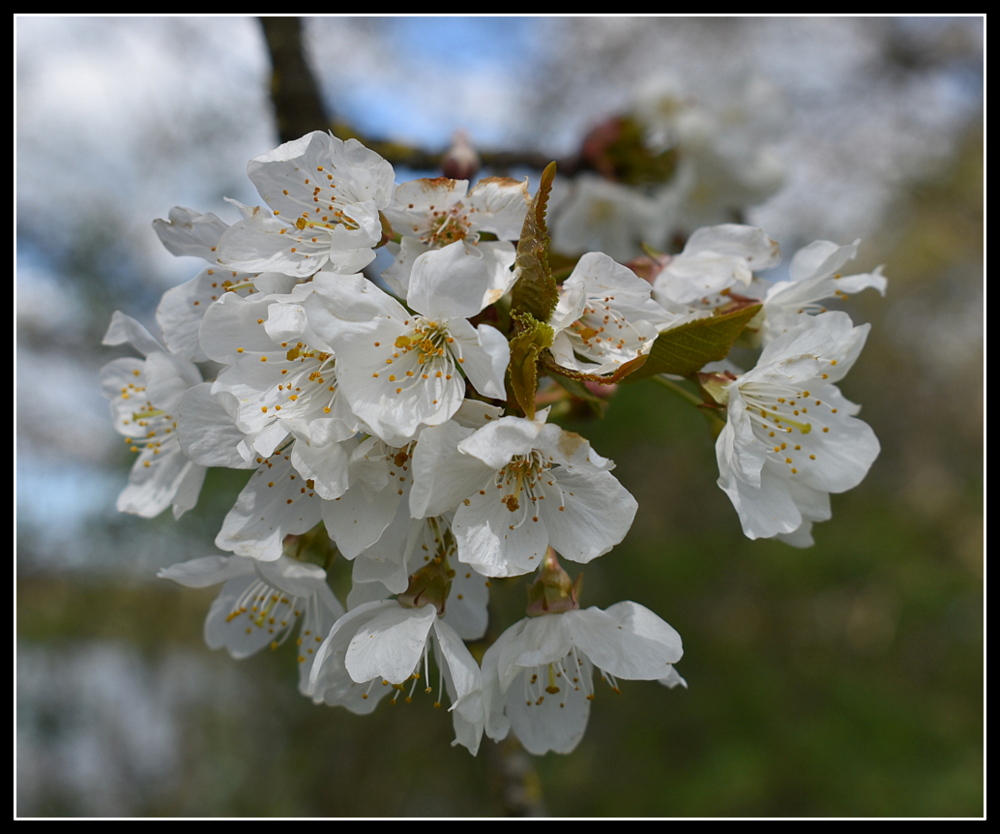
column 687, row 349
column 526, row 347
column 535, row 291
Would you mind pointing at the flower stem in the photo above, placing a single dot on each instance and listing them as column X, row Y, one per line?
column 680, row 391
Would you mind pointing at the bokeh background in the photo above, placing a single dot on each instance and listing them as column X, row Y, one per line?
column 843, row 680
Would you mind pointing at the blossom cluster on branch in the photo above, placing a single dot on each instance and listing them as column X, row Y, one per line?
column 404, row 426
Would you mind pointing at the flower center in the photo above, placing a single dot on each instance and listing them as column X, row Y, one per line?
column 448, row 227
column 558, row 680
column 776, row 408
column 262, row 606
column 308, row 383
column 602, row 331
column 792, row 424
column 427, row 351
column 154, row 427
column 428, row 339
column 525, row 477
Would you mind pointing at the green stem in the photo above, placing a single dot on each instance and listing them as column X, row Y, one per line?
column 677, row 389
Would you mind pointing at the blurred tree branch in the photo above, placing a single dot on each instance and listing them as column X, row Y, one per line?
column 298, row 106
column 299, row 109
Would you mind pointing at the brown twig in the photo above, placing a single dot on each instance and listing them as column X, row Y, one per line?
column 299, row 109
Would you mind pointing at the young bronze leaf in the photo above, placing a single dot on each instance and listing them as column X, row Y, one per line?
column 525, row 349
column 535, row 291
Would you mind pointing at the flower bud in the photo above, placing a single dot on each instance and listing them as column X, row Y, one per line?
column 650, row 265
column 553, row 592
column 460, row 161
column 429, row 585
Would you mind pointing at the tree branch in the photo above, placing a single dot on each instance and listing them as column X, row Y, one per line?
column 298, row 109
column 298, row 105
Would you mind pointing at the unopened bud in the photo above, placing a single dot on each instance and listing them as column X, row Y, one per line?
column 553, row 592
column 314, row 546
column 650, row 265
column 598, row 147
column 716, row 385
column 429, row 585
column 460, row 161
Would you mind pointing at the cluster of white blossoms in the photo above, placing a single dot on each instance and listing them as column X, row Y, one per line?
column 406, row 424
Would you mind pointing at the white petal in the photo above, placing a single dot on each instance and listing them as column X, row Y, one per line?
column 463, row 681
column 443, row 476
column 540, row 641
column 586, row 513
column 500, row 205
column 466, row 610
column 485, row 359
column 276, row 502
column 358, row 518
column 764, row 511
column 497, row 442
column 329, row 681
column 182, row 309
column 448, row 283
column 819, row 258
column 461, row 671
column 159, row 480
column 168, row 378
column 231, row 328
column 627, row 640
column 207, row 571
column 126, row 330
column 188, row 232
column 495, row 540
column 557, row 723
column 389, row 646
column 207, row 433
column 325, row 465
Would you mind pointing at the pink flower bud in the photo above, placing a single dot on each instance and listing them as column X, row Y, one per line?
column 460, row 162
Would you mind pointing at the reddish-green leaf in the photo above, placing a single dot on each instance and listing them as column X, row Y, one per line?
column 535, row 291
column 526, row 347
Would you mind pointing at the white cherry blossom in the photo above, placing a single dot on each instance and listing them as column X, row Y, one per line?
column 323, row 197
column 791, row 438
column 714, row 259
column 519, row 486
column 814, row 275
column 435, row 214
column 401, row 370
column 381, row 427
column 145, row 397
column 280, row 380
column 605, row 317
column 538, row 675
column 260, row 604
column 383, row 646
